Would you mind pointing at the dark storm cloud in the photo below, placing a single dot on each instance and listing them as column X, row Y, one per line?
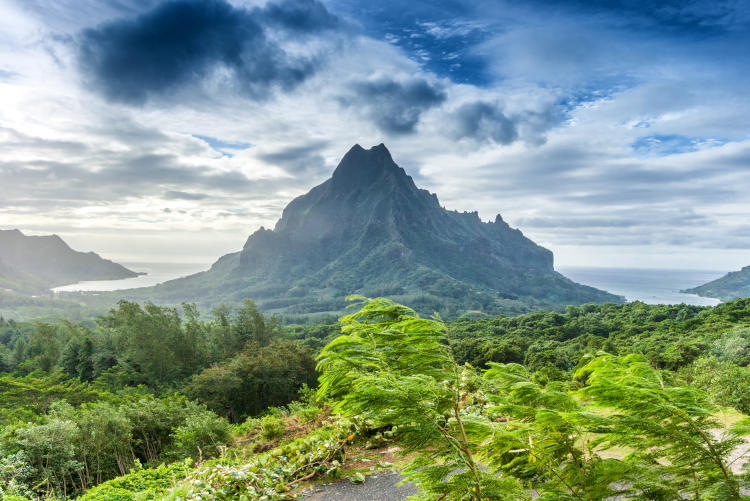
column 183, row 42
column 394, row 106
column 483, row 122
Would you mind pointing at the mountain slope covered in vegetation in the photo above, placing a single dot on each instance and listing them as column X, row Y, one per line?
column 35, row 263
column 369, row 229
column 733, row 285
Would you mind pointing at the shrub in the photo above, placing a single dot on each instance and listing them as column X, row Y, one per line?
column 272, row 474
column 272, row 427
column 733, row 346
column 727, row 384
column 146, row 483
column 248, row 426
column 202, row 436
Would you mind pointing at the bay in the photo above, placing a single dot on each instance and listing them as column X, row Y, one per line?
column 156, row 273
column 651, row 286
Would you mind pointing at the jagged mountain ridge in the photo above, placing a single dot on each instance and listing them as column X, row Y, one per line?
column 341, row 220
column 34, row 263
column 733, row 285
column 369, row 229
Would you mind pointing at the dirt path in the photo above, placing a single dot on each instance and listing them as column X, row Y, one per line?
column 739, row 456
column 377, row 487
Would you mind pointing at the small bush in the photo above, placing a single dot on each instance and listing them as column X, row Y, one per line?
column 201, row 436
column 272, row 427
column 147, row 482
column 246, row 427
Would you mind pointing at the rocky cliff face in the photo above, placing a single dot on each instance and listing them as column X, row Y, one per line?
column 370, row 203
column 369, row 229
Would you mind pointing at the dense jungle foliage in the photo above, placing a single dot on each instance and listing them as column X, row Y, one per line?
column 504, row 433
column 138, row 401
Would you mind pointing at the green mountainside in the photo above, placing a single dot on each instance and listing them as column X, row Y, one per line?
column 31, row 264
column 733, row 285
column 369, row 230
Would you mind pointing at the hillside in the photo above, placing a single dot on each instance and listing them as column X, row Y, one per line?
column 35, row 263
column 733, row 285
column 370, row 230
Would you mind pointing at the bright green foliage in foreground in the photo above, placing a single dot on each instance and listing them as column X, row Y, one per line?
column 557, row 404
column 146, row 483
column 73, row 449
column 78, row 403
column 509, row 435
column 701, row 346
column 667, row 427
column 391, row 367
column 270, row 475
column 541, row 435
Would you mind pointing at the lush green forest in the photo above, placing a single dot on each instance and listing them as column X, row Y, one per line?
column 151, row 402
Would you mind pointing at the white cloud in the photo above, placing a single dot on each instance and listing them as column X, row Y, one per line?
column 103, row 174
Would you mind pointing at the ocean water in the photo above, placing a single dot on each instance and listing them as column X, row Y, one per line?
column 156, row 273
column 652, row 286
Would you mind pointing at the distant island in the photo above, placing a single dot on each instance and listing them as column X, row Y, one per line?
column 733, row 285
column 33, row 264
column 370, row 230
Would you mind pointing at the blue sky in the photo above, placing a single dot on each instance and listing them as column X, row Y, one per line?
column 613, row 132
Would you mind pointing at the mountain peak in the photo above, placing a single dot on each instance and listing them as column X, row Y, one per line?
column 361, row 166
column 370, row 230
